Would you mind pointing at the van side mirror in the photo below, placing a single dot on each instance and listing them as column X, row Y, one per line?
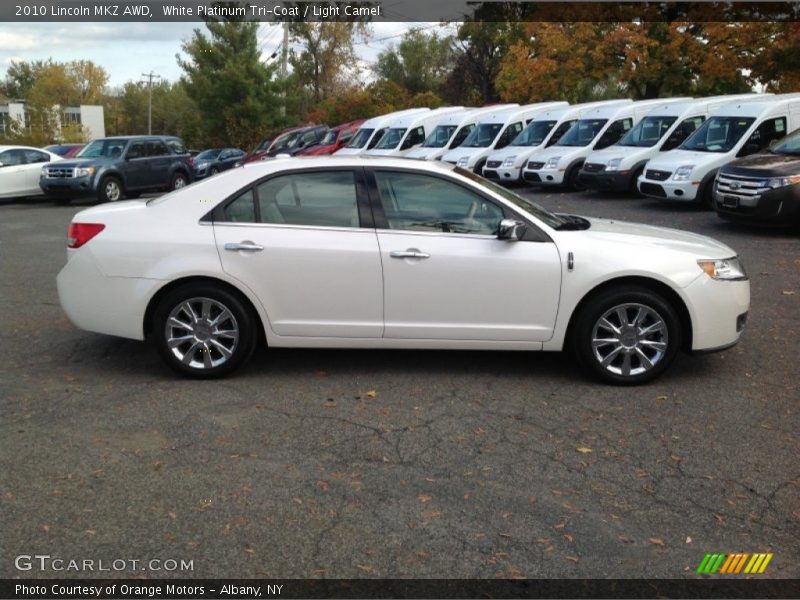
column 749, row 148
column 511, row 230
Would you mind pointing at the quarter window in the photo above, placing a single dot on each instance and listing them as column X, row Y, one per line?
column 34, row 156
column 415, row 202
column 242, row 209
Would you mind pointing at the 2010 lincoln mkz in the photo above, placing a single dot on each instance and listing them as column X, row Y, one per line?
column 387, row 253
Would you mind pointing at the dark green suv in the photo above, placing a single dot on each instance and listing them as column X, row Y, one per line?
column 119, row 167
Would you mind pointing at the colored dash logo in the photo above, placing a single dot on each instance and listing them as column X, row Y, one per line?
column 734, row 564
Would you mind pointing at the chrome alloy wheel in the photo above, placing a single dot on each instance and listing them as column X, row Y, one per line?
column 629, row 339
column 202, row 333
column 112, row 190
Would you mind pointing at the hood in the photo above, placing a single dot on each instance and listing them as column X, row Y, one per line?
column 459, row 153
column 764, row 165
column 634, row 235
column 565, row 152
column 631, row 153
column 675, row 158
column 504, row 153
column 87, row 162
column 425, row 153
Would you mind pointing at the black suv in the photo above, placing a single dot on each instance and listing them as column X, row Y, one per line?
column 116, row 167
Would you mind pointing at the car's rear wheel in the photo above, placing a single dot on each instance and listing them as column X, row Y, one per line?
column 627, row 335
column 110, row 190
column 204, row 331
column 179, row 180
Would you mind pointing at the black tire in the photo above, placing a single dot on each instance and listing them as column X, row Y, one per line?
column 478, row 170
column 110, row 189
column 633, row 188
column 179, row 180
column 573, row 185
column 630, row 299
column 706, row 199
column 213, row 171
column 202, row 357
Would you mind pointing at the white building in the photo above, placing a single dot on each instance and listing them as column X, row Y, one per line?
column 90, row 117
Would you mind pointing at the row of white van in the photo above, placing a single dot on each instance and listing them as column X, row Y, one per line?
column 665, row 148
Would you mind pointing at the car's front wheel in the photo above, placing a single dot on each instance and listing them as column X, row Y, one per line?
column 204, row 331
column 627, row 335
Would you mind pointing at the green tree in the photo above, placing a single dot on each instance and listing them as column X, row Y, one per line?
column 231, row 87
column 420, row 63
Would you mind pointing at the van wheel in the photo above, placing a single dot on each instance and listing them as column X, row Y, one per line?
column 110, row 189
column 204, row 331
column 573, row 185
column 633, row 188
column 626, row 335
column 707, row 196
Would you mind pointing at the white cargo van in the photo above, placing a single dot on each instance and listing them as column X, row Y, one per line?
column 451, row 132
column 598, row 128
column 495, row 130
column 617, row 168
column 409, row 131
column 733, row 130
column 545, row 130
column 372, row 130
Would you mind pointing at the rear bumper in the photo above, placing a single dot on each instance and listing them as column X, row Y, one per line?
column 95, row 302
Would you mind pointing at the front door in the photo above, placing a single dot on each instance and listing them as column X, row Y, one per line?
column 296, row 241
column 447, row 276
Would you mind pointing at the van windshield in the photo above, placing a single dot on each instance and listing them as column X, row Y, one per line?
column 582, row 133
column 438, row 138
column 483, row 135
column 789, row 145
column 718, row 134
column 647, row 132
column 534, row 134
column 360, row 138
column 391, row 138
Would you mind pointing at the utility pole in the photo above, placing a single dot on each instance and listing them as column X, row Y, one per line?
column 150, row 76
column 284, row 64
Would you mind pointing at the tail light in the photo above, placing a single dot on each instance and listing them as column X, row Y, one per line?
column 80, row 233
column 191, row 161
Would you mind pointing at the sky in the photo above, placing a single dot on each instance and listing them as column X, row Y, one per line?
column 126, row 50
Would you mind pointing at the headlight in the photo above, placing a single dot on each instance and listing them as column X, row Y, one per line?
column 683, row 173
column 552, row 163
column 462, row 162
column 84, row 171
column 43, row 172
column 509, row 161
column 729, row 269
column 201, row 164
column 613, row 164
column 779, row 182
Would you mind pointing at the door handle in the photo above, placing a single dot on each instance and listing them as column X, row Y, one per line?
column 410, row 253
column 246, row 246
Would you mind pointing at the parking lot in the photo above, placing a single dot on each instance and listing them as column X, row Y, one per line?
column 397, row 463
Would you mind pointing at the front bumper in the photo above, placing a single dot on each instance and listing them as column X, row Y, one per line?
column 544, row 176
column 718, row 310
column 72, row 187
column 503, row 174
column 685, row 191
column 96, row 302
column 779, row 206
column 613, row 181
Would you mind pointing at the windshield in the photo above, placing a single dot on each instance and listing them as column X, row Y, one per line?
column 391, row 138
column 582, row 133
column 528, row 206
column 106, row 148
column 285, row 141
column 647, row 132
column 208, row 155
column 483, row 135
column 439, row 137
column 534, row 134
column 788, row 145
column 718, row 134
column 330, row 138
column 263, row 145
column 360, row 138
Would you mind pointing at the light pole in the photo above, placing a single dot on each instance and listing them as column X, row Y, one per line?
column 150, row 76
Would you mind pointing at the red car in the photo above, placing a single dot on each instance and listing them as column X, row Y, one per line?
column 335, row 138
column 289, row 141
column 65, row 150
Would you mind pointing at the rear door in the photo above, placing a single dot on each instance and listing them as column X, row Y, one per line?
column 159, row 163
column 303, row 242
column 134, row 167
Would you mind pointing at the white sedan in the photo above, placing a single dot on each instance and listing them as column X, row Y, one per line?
column 382, row 253
column 20, row 169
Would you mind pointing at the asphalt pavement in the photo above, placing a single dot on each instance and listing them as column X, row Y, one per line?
column 340, row 463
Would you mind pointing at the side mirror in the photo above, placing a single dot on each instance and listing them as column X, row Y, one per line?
column 749, row 148
column 511, row 230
